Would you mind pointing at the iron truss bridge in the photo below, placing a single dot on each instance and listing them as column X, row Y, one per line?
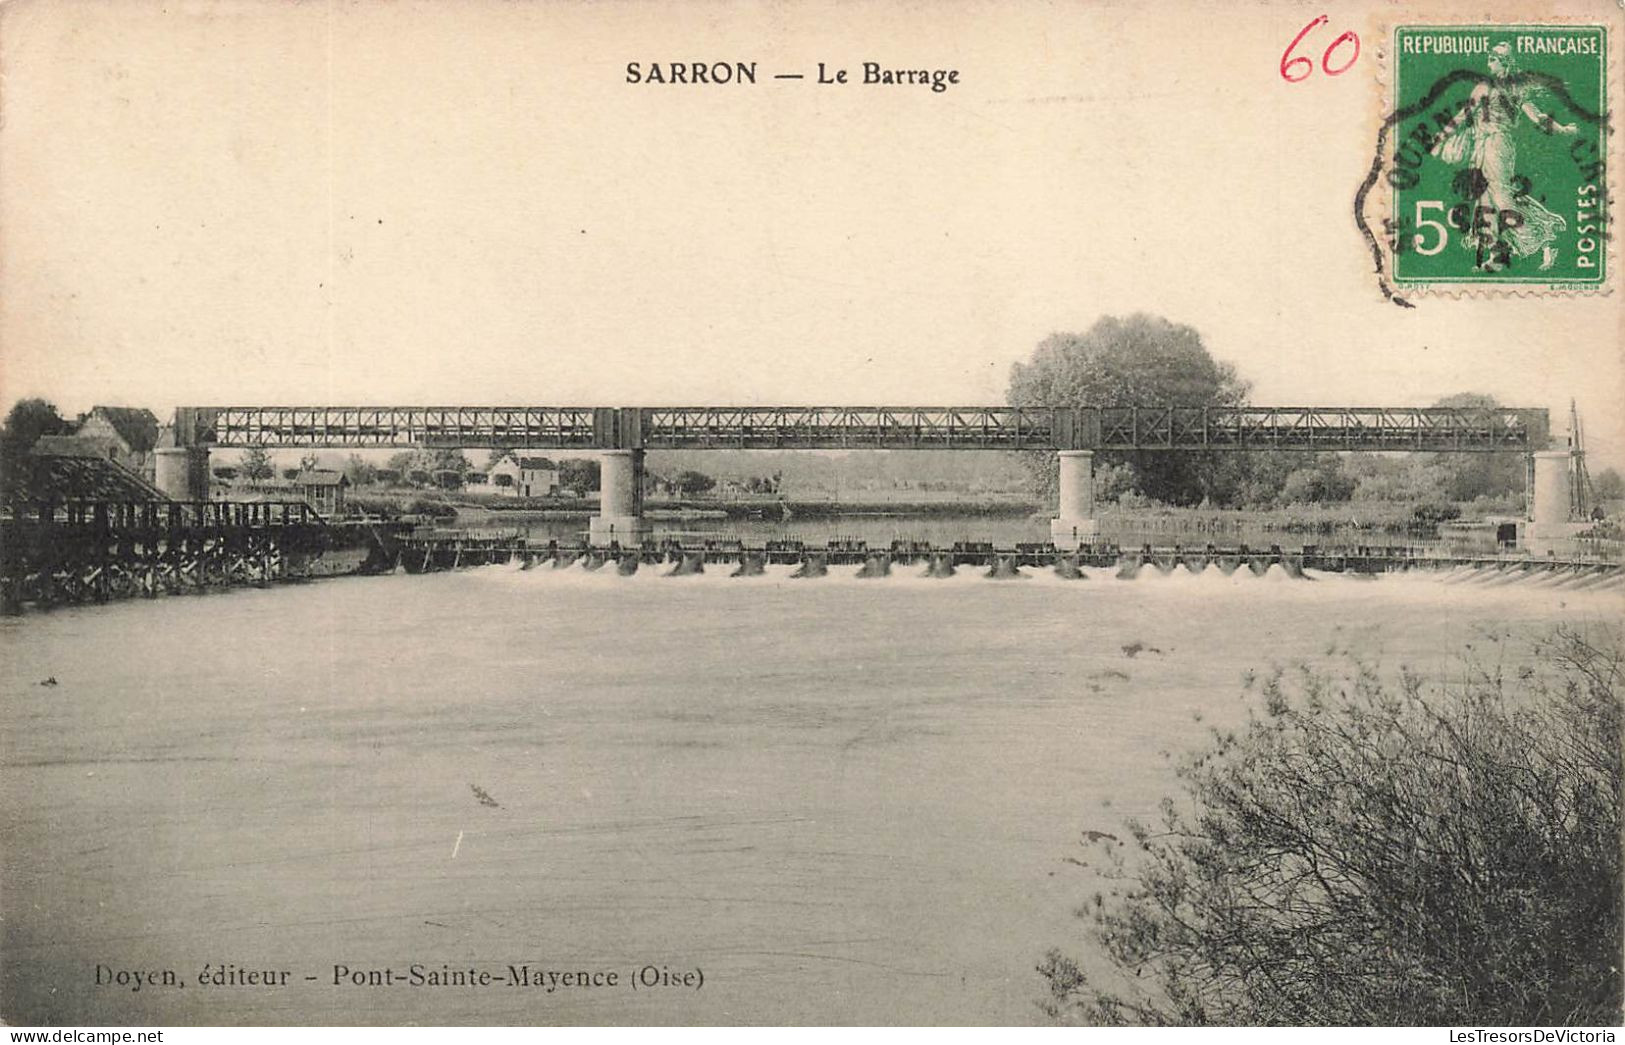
column 870, row 427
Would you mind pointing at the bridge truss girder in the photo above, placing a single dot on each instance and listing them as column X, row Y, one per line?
column 1440, row 429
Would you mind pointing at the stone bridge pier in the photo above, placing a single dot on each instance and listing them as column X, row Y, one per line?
column 1551, row 502
column 181, row 473
column 1075, row 524
column 620, row 499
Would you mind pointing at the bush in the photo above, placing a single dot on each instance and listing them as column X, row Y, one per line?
column 1435, row 513
column 1380, row 853
column 1323, row 482
column 692, row 484
column 393, row 507
column 1134, row 500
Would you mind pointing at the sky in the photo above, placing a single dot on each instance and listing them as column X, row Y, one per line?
column 380, row 203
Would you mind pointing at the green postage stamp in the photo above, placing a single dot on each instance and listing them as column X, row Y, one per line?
column 1495, row 156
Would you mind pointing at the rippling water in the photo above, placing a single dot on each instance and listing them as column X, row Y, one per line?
column 845, row 801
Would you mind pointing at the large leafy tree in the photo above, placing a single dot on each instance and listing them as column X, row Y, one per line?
column 1140, row 360
column 27, row 420
column 31, row 418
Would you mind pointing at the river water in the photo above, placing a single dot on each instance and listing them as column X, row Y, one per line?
column 841, row 800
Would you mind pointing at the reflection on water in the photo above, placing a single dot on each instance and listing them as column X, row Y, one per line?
column 844, row 800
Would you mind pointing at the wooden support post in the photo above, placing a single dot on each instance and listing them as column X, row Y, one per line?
column 101, row 534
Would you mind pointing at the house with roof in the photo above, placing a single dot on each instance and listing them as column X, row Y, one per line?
column 124, row 435
column 67, row 468
column 524, row 476
column 323, row 489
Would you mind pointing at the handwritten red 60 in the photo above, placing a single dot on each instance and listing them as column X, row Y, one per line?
column 1288, row 62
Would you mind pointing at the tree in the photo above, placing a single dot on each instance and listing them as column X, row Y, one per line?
column 256, row 464
column 291, row 473
column 423, row 467
column 29, row 419
column 1321, row 481
column 1142, row 360
column 1112, row 481
column 1468, row 476
column 360, row 471
column 447, row 460
column 1372, row 851
column 579, row 475
column 1609, row 485
column 1414, row 478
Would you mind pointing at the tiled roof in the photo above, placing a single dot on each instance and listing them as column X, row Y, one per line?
column 77, row 477
column 321, row 477
column 136, row 426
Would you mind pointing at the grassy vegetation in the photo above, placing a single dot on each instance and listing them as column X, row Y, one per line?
column 392, row 504
column 1374, row 850
column 1378, row 517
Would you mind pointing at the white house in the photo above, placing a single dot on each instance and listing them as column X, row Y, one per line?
column 524, row 476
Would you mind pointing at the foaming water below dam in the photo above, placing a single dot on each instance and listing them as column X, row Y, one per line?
column 845, row 799
column 1188, row 576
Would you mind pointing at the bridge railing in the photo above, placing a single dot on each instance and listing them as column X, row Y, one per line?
column 980, row 428
column 163, row 515
column 395, row 426
column 1442, row 429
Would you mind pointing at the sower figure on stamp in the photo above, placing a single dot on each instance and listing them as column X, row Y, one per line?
column 1486, row 144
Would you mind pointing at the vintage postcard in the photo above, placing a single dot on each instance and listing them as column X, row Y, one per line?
column 761, row 513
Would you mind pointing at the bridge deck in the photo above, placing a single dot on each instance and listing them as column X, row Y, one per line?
column 879, row 428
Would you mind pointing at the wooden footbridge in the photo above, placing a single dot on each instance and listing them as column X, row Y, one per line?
column 96, row 551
